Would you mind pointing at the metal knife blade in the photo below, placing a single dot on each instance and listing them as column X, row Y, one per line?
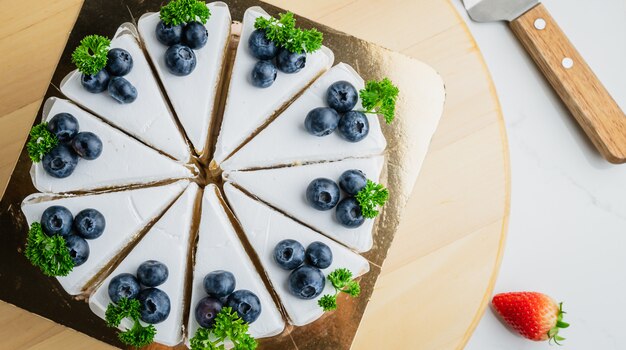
column 497, row 10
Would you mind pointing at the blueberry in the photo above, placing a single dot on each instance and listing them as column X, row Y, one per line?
column 89, row 223
column 79, row 249
column 64, row 126
column 289, row 62
column 352, row 181
column 180, row 60
column 195, row 35
column 56, row 220
column 119, row 62
column 246, row 304
column 321, row 121
column 354, row 126
column 322, row 194
column 169, row 35
column 122, row 90
column 60, row 162
column 95, row 83
column 349, row 213
column 263, row 74
column 289, row 254
column 342, row 96
column 306, row 282
column 154, row 305
column 219, row 283
column 206, row 311
column 261, row 47
column 124, row 285
column 152, row 273
column 319, row 255
column 87, row 145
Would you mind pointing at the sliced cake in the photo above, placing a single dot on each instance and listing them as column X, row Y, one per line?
column 266, row 228
column 249, row 106
column 154, row 273
column 193, row 95
column 122, row 216
column 121, row 160
column 220, row 255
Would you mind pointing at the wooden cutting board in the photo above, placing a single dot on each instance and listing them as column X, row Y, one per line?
column 439, row 274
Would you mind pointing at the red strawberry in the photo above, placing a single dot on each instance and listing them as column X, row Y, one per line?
column 533, row 315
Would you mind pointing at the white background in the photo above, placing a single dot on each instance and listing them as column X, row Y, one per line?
column 567, row 232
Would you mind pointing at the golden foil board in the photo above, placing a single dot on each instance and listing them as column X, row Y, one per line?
column 27, row 288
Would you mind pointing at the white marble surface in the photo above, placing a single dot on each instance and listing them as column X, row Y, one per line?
column 567, row 232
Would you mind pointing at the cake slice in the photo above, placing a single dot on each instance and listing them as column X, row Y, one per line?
column 249, row 107
column 285, row 188
column 219, row 248
column 286, row 141
column 265, row 228
column 126, row 214
column 148, row 118
column 124, row 161
column 167, row 242
column 193, row 96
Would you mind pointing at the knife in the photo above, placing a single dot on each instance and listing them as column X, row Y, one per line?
column 582, row 92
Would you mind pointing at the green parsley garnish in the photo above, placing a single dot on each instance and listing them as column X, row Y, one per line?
column 41, row 142
column 50, row 254
column 342, row 280
column 370, row 197
column 380, row 97
column 90, row 56
column 283, row 32
column 138, row 335
column 184, row 11
column 228, row 326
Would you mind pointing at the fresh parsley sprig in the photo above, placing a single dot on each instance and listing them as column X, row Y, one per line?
column 342, row 281
column 41, row 142
column 380, row 97
column 370, row 197
column 90, row 56
column 138, row 335
column 184, row 11
column 283, row 32
column 228, row 326
column 50, row 254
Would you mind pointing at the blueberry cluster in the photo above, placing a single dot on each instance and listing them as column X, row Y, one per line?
column 220, row 287
column 182, row 39
column 88, row 224
column 119, row 63
column 323, row 194
column 341, row 98
column 154, row 302
column 61, row 161
column 306, row 281
column 265, row 70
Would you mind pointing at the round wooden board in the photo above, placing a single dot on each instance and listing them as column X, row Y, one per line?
column 439, row 274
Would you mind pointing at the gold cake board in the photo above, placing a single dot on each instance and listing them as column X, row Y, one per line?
column 437, row 279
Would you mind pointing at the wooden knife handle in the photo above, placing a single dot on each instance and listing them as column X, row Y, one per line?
column 585, row 96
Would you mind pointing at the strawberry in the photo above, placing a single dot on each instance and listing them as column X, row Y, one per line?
column 533, row 315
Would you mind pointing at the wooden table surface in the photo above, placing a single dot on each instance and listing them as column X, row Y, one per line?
column 438, row 277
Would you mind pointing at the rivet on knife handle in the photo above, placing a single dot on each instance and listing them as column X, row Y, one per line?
column 579, row 88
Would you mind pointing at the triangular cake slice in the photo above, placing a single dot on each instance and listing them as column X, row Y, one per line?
column 265, row 227
column 219, row 248
column 148, row 118
column 285, row 141
column 285, row 188
column 192, row 96
column 248, row 107
column 126, row 214
column 167, row 242
column 124, row 161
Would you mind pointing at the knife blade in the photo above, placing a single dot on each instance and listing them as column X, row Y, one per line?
column 578, row 87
